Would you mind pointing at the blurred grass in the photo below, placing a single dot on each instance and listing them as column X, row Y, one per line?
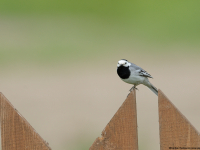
column 158, row 20
column 58, row 31
column 101, row 8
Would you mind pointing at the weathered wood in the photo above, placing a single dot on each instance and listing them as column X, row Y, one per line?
column 176, row 132
column 16, row 132
column 121, row 131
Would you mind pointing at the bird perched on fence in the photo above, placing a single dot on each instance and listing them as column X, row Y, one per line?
column 133, row 74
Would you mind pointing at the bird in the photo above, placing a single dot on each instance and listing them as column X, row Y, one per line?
column 133, row 74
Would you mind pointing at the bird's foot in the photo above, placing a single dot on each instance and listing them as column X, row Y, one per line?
column 133, row 88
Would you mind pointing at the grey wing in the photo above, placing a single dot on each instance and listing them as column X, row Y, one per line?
column 140, row 71
column 145, row 74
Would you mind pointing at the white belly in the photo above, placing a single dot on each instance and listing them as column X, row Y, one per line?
column 136, row 80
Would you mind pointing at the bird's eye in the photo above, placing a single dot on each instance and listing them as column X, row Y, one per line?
column 125, row 62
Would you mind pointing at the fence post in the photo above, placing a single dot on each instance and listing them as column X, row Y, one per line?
column 121, row 131
column 16, row 132
column 176, row 132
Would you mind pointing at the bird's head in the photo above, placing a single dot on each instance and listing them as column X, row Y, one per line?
column 123, row 62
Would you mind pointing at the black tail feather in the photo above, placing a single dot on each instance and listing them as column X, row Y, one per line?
column 153, row 89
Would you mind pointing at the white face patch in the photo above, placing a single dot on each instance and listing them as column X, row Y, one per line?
column 123, row 63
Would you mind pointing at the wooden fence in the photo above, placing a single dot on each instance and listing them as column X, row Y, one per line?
column 16, row 132
column 176, row 132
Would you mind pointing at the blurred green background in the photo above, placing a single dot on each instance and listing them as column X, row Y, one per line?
column 47, row 31
column 62, row 45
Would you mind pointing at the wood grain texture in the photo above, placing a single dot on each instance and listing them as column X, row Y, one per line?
column 16, row 132
column 121, row 131
column 175, row 130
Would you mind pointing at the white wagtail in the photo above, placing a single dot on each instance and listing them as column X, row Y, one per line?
column 133, row 74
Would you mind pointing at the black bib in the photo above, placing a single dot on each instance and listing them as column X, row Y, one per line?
column 123, row 72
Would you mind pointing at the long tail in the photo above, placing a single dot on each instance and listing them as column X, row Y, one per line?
column 153, row 89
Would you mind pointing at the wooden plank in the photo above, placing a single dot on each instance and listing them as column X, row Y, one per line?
column 176, row 132
column 16, row 132
column 121, row 131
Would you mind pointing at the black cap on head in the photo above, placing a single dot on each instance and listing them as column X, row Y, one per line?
column 124, row 59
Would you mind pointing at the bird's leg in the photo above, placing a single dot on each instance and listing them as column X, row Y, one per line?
column 134, row 87
column 131, row 89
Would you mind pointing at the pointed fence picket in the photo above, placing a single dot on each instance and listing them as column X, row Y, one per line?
column 176, row 132
column 16, row 132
